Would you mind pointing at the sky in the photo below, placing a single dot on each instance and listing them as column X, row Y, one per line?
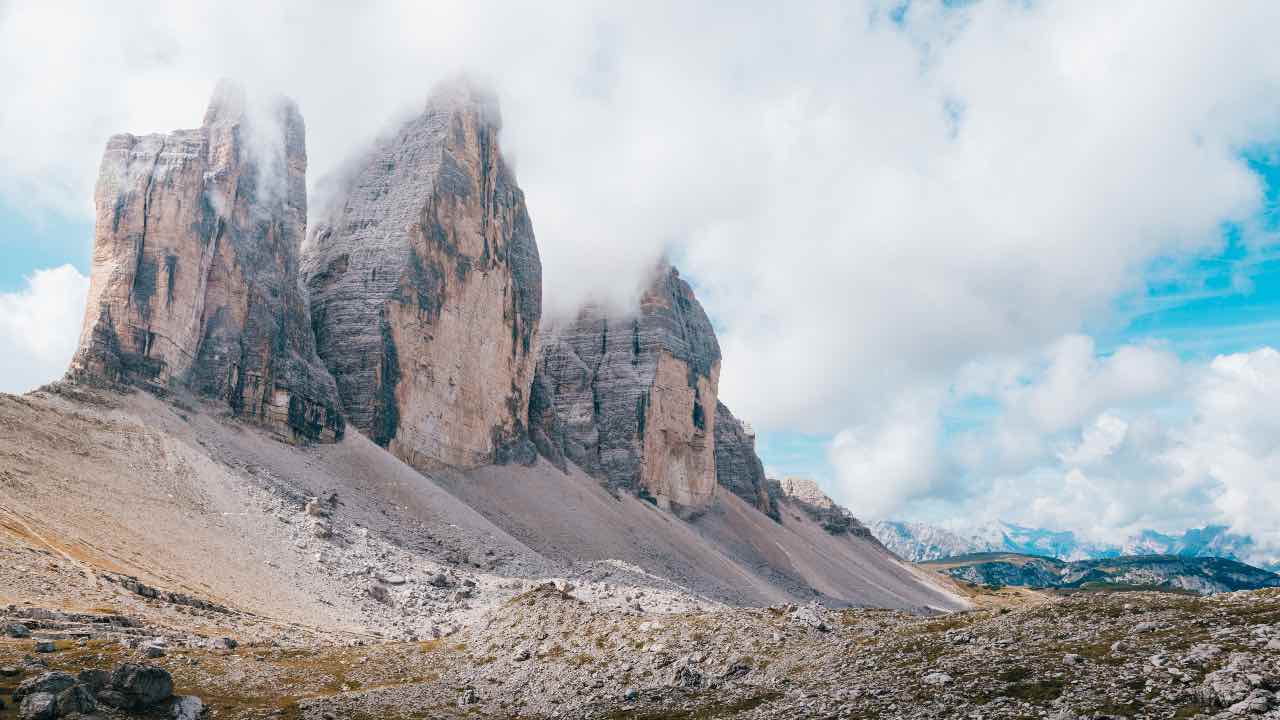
column 967, row 260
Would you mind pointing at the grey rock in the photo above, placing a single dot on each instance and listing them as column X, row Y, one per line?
column 94, row 679
column 142, row 685
column 225, row 643
column 195, row 274
column 936, row 678
column 632, row 400
column 186, row 707
column 113, row 698
column 426, row 287
column 75, row 699
column 835, row 519
column 17, row 630
column 52, row 682
column 45, row 646
column 38, row 706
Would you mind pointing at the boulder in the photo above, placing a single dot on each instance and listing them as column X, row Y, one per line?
column 426, row 289
column 194, row 278
column 52, row 682
column 142, row 685
column 17, row 630
column 38, row 706
column 75, row 699
column 186, row 707
column 94, row 679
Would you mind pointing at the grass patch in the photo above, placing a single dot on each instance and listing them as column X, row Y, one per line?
column 1037, row 692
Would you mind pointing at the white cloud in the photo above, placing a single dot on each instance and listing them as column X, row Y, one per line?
column 39, row 326
column 881, row 466
column 1105, row 446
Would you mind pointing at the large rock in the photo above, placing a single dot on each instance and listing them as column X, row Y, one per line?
column 141, row 686
column 632, row 400
column 52, row 682
column 738, row 468
column 195, row 268
column 426, row 289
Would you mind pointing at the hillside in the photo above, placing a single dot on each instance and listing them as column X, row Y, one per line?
column 1198, row 575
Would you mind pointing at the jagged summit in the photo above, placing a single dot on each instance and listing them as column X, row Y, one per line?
column 194, row 279
column 426, row 289
column 632, row 400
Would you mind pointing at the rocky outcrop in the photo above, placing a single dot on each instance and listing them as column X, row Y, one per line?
column 806, row 495
column 426, row 290
column 195, row 268
column 738, row 468
column 632, row 400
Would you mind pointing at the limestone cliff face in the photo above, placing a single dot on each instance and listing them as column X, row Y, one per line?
column 632, row 400
column 738, row 468
column 426, row 290
column 195, row 268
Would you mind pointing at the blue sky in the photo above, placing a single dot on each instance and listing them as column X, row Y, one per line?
column 30, row 241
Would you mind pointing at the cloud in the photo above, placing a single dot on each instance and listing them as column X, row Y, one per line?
column 39, row 326
column 880, row 466
column 1132, row 440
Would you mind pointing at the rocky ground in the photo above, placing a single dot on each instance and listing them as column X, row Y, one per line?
column 155, row 554
column 549, row 654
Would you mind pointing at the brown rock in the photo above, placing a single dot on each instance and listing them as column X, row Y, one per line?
column 632, row 400
column 426, row 289
column 195, row 268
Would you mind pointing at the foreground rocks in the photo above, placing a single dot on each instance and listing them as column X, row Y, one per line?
column 426, row 288
column 131, row 687
column 194, row 281
column 549, row 654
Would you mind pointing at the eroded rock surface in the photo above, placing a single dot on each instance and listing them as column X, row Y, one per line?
column 195, row 268
column 805, row 494
column 632, row 400
column 426, row 290
column 738, row 468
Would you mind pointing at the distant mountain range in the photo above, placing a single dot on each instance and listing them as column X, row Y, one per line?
column 1201, row 575
column 921, row 542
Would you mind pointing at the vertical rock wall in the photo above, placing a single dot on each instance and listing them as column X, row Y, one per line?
column 426, row 290
column 738, row 468
column 194, row 279
column 632, row 400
